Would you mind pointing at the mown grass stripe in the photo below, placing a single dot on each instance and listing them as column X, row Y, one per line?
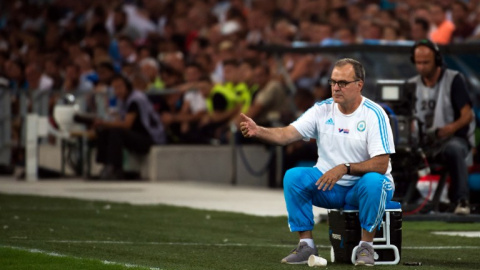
column 56, row 254
column 228, row 244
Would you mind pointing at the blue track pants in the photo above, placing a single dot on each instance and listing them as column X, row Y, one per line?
column 370, row 194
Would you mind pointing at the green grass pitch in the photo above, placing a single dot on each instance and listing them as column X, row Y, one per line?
column 53, row 233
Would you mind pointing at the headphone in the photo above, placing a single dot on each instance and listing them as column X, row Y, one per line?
column 432, row 46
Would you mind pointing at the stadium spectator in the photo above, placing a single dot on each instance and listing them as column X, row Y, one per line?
column 476, row 20
column 420, row 29
column 355, row 12
column 346, row 35
column 74, row 83
column 463, row 27
column 149, row 68
column 373, row 30
column 257, row 25
column 391, row 33
column 104, row 102
column 422, row 10
column 84, row 61
column 52, row 69
column 283, row 32
column 442, row 33
column 126, row 20
column 36, row 79
column 303, row 72
column 337, row 18
column 444, row 110
column 16, row 82
column 174, row 33
column 270, row 100
column 14, row 70
column 136, row 130
column 224, row 101
column 139, row 82
column 348, row 170
column 127, row 50
column 194, row 93
column 320, row 33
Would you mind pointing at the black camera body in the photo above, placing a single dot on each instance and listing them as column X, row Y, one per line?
column 398, row 98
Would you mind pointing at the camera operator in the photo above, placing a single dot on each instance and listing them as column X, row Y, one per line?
column 446, row 120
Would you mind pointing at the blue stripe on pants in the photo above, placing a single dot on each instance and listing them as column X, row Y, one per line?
column 301, row 194
column 370, row 194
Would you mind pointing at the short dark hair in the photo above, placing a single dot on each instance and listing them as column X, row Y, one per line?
column 357, row 67
column 126, row 81
column 194, row 65
column 106, row 65
column 423, row 23
column 231, row 62
column 462, row 4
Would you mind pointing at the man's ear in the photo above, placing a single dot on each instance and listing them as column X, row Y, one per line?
column 360, row 84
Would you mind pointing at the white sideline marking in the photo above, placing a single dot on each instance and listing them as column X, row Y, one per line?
column 55, row 254
column 228, row 244
column 459, row 233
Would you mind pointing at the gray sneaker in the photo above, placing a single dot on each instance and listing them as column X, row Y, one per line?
column 300, row 254
column 463, row 208
column 365, row 255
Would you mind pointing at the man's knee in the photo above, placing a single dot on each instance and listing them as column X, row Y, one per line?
column 454, row 149
column 291, row 176
column 374, row 177
column 372, row 181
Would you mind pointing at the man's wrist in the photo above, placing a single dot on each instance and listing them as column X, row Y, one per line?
column 347, row 165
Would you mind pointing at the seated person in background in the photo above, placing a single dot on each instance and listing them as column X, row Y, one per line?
column 169, row 101
column 149, row 67
column 444, row 109
column 103, row 100
column 137, row 129
column 270, row 97
column 194, row 106
column 225, row 101
column 74, row 83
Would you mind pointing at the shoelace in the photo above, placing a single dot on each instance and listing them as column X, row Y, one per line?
column 364, row 251
column 297, row 249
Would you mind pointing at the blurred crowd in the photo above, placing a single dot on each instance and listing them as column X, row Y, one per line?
column 194, row 58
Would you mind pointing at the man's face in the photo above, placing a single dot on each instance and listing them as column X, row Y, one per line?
column 192, row 74
column 120, row 89
column 437, row 14
column 349, row 93
column 417, row 32
column 149, row 71
column 425, row 61
column 230, row 73
column 104, row 74
column 245, row 72
column 72, row 72
column 124, row 48
column 260, row 77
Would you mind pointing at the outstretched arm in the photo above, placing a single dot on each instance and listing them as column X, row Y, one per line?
column 278, row 136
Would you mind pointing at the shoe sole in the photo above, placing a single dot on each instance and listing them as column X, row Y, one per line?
column 303, row 262
column 362, row 263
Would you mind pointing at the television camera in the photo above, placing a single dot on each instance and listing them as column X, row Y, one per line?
column 398, row 99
